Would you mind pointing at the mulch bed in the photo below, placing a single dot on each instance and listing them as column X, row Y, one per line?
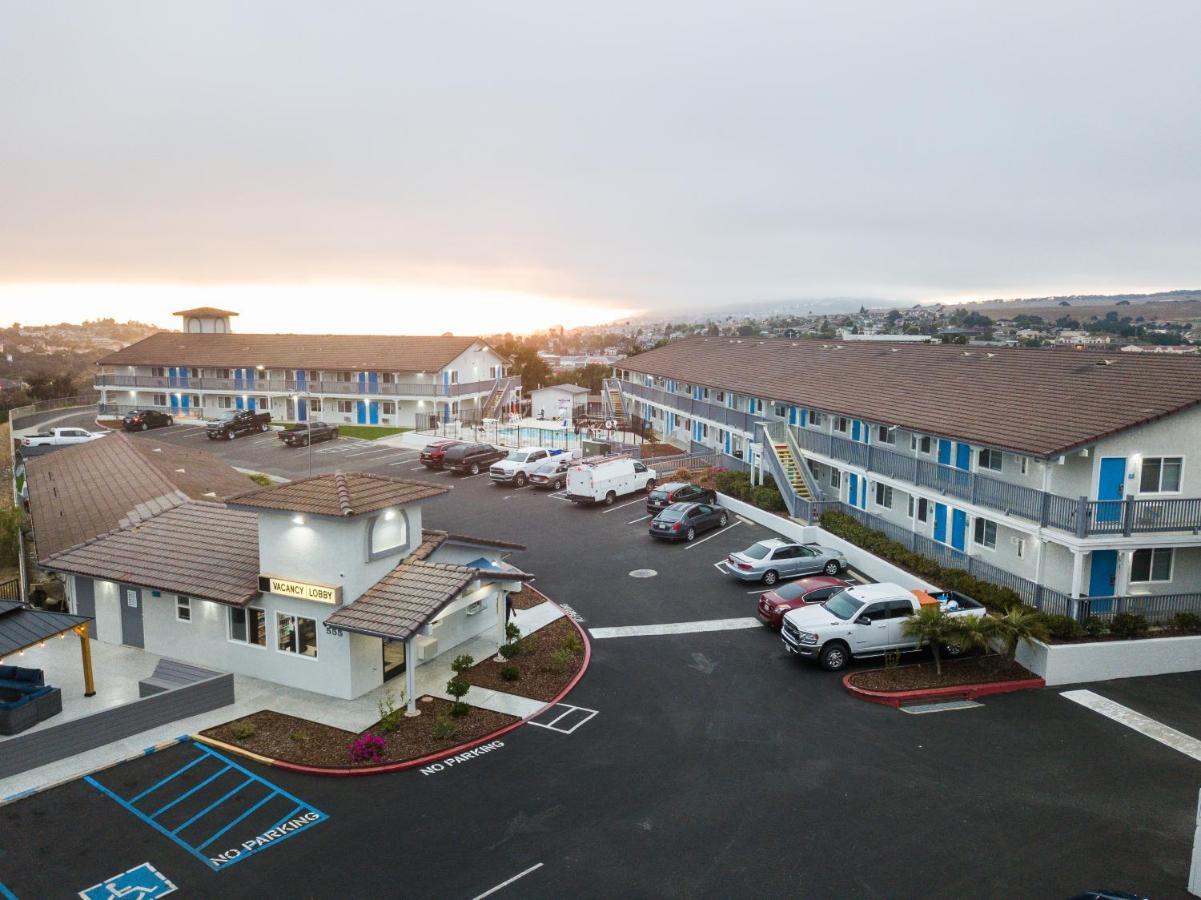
column 654, row 451
column 973, row 670
column 300, row 741
column 538, row 678
column 527, row 598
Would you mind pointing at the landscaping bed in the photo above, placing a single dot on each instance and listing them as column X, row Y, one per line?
column 923, row 676
column 658, row 451
column 527, row 598
column 306, row 743
column 544, row 664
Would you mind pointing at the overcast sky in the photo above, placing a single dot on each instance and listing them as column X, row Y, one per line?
column 646, row 155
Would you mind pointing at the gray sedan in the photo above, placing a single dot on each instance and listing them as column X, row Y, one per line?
column 769, row 561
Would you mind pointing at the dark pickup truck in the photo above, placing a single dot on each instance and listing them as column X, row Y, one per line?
column 313, row 433
column 236, row 423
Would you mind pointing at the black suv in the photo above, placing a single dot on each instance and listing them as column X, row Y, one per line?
column 664, row 495
column 141, row 419
column 471, row 458
column 312, row 433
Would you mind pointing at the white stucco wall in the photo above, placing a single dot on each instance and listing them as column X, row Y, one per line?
column 1104, row 660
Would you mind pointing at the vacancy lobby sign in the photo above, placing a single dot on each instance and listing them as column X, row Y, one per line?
column 302, row 590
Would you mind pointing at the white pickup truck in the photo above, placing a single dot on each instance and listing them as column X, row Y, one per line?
column 604, row 480
column 61, row 437
column 865, row 620
column 520, row 464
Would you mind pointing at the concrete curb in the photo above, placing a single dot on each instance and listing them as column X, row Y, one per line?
column 341, row 772
column 956, row 692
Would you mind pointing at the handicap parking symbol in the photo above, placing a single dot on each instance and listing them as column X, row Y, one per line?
column 143, row 882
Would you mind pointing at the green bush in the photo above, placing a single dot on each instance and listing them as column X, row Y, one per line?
column 508, row 651
column 1095, row 627
column 767, row 496
column 510, row 673
column 1063, row 628
column 560, row 659
column 260, row 479
column 444, row 729
column 1189, row 623
column 243, row 731
column 389, row 715
column 1128, row 625
column 734, row 484
column 572, row 644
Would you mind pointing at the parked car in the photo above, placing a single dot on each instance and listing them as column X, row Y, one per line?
column 684, row 521
column 61, row 437
column 551, row 474
column 471, row 458
column 770, row 560
column 432, row 453
column 806, row 591
column 309, row 433
column 141, row 419
column 867, row 620
column 604, row 480
column 664, row 495
column 519, row 465
column 236, row 423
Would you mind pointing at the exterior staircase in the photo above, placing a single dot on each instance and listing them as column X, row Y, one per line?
column 792, row 470
column 613, row 406
column 496, row 400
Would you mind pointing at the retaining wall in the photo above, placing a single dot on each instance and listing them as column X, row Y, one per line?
column 1102, row 660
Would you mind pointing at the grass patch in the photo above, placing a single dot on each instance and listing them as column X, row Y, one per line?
column 260, row 479
column 369, row 432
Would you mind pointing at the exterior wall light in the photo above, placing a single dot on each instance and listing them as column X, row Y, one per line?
column 390, row 515
column 297, row 520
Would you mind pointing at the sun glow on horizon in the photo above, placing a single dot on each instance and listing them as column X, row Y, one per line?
column 311, row 307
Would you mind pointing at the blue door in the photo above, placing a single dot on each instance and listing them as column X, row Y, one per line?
column 361, row 407
column 186, row 402
column 1102, row 577
column 174, row 402
column 373, row 410
column 940, row 522
column 239, row 403
column 963, row 457
column 944, row 452
column 373, row 382
column 804, row 417
column 238, row 380
column 853, row 489
column 959, row 529
column 302, row 411
column 856, row 429
column 183, row 377
column 172, row 377
column 1111, row 485
column 250, row 404
column 792, row 415
column 249, row 373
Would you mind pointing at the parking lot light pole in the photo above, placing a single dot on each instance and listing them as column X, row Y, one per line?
column 297, row 396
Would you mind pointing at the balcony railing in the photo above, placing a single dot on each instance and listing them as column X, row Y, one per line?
column 289, row 386
column 1077, row 515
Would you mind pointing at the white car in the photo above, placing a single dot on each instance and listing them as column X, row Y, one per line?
column 61, row 437
column 519, row 465
column 604, row 480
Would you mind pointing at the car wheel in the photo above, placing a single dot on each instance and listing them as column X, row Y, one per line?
column 170, row 420
column 475, row 468
column 264, row 427
column 144, row 426
column 771, row 576
column 520, row 480
column 650, row 485
column 831, row 568
column 690, row 534
column 229, row 435
column 610, row 497
column 723, row 521
column 558, row 484
column 835, row 657
column 333, row 435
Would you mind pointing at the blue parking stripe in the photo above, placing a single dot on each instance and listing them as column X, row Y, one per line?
column 149, row 821
column 5, row 893
column 177, row 772
column 288, row 816
column 213, row 805
column 189, row 793
column 263, row 781
column 270, row 796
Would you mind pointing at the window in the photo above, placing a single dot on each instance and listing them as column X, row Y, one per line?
column 1023, row 464
column 815, row 418
column 704, row 430
column 721, row 397
column 1151, row 565
column 835, row 478
column 194, row 400
column 883, row 495
column 875, row 613
column 842, row 424
column 923, row 509
column 986, row 533
column 1161, row 475
column 342, row 376
column 920, row 442
column 315, row 404
column 454, row 375
column 313, row 375
column 248, row 626
column 390, row 377
column 388, row 533
column 899, row 609
column 158, row 371
column 345, row 406
column 183, row 609
column 225, row 402
column 779, row 409
column 160, row 399
column 296, row 634
column 989, row 459
column 886, row 434
column 388, row 408
column 220, row 373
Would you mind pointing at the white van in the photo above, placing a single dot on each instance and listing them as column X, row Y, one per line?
column 604, row 480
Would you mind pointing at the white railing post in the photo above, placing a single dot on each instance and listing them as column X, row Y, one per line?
column 1194, row 879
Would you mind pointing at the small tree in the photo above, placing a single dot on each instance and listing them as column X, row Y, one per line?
column 975, row 631
column 934, row 627
column 1020, row 625
column 458, row 686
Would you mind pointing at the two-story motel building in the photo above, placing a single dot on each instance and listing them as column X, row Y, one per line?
column 399, row 381
column 1063, row 474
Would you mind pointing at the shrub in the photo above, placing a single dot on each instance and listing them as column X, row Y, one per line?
column 298, row 736
column 560, row 659
column 367, row 748
column 10, row 526
column 444, row 729
column 682, row 475
column 389, row 715
column 1020, row 625
column 243, row 731
column 508, row 651
column 462, row 663
column 1062, row 628
column 1094, row 626
column 1189, row 623
column 768, row 497
column 510, row 673
column 261, row 480
column 572, row 644
column 1128, row 626
column 734, row 484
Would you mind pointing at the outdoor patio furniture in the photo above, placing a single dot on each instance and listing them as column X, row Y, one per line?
column 22, row 709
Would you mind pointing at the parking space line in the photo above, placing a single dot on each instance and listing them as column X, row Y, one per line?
column 674, row 628
column 153, row 824
column 507, row 882
column 636, row 521
column 623, row 506
column 213, row 805
column 760, row 591
column 270, row 796
column 186, row 794
column 1144, row 725
column 715, row 534
column 156, row 786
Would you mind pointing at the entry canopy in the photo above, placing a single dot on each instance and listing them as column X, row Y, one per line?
column 24, row 626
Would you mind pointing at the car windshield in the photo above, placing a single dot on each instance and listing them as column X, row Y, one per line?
column 659, row 494
column 757, row 551
column 518, row 457
column 226, row 416
column 844, row 605
column 790, row 591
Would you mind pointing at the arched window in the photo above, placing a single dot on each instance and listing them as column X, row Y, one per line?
column 388, row 533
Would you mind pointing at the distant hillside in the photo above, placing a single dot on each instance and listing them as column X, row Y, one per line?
column 1167, row 306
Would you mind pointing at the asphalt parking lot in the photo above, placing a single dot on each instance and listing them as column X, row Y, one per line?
column 714, row 766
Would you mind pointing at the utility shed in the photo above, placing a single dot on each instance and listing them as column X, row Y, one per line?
column 562, row 401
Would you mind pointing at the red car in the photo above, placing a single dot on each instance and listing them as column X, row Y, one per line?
column 432, row 453
column 802, row 592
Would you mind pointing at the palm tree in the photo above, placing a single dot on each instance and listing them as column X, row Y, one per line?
column 934, row 627
column 1020, row 625
column 975, row 631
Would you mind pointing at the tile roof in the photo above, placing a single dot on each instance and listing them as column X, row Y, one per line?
column 339, row 494
column 1041, row 402
column 23, row 626
column 198, row 549
column 392, row 353
column 404, row 599
column 89, row 489
column 204, row 311
column 431, row 540
column 570, row 388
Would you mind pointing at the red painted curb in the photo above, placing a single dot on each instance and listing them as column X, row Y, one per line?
column 964, row 691
column 451, row 751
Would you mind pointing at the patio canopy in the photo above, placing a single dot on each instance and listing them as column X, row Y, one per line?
column 23, row 626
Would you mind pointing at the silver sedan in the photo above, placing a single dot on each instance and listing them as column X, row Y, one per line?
column 769, row 561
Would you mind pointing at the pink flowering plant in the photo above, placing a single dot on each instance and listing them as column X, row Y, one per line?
column 367, row 748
